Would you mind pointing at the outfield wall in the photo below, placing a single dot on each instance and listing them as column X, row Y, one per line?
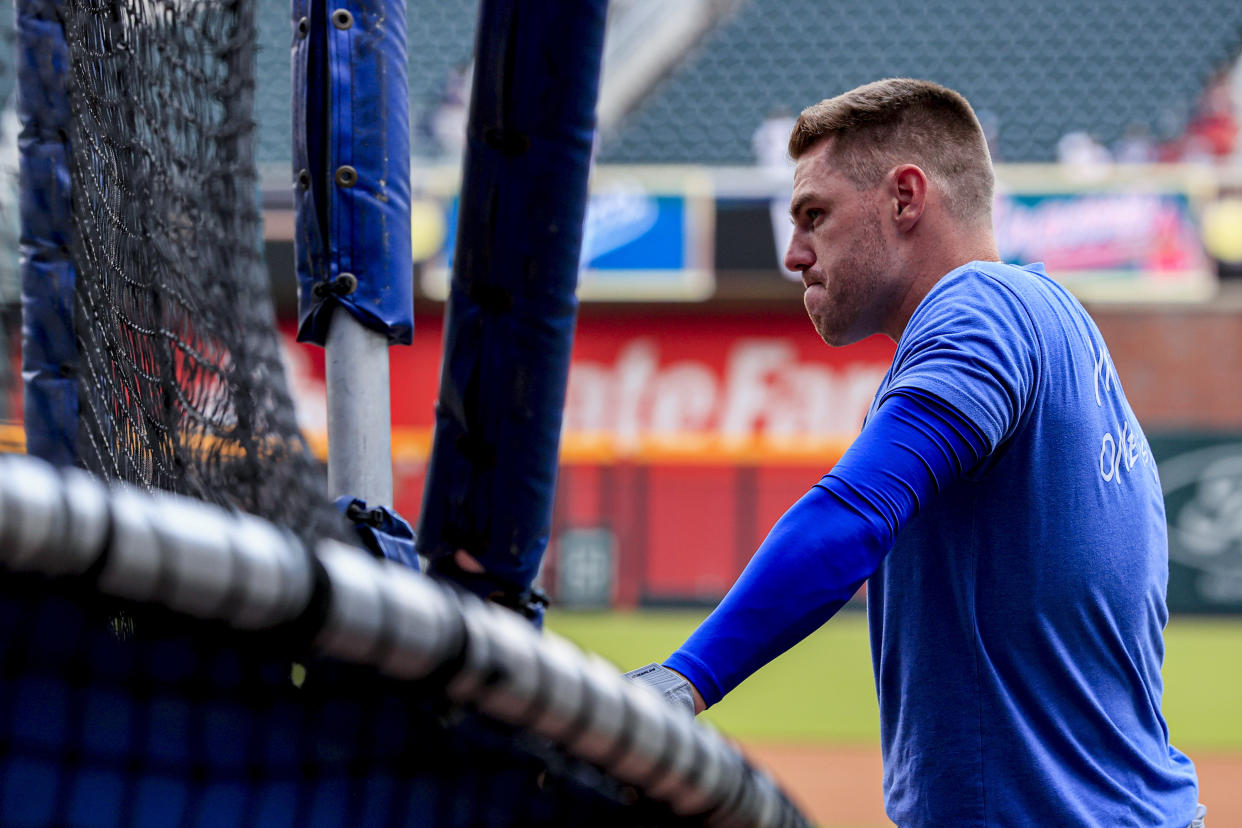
column 1181, row 365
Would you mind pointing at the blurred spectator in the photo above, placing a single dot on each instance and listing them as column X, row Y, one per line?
column 1211, row 136
column 1235, row 95
column 990, row 122
column 443, row 124
column 1136, row 146
column 1214, row 122
column 770, row 142
column 1083, row 155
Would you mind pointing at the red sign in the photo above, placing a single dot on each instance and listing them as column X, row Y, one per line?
column 716, row 383
column 677, row 386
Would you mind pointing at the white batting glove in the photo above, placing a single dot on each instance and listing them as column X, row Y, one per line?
column 675, row 689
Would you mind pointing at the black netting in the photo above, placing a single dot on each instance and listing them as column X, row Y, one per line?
column 182, row 386
column 173, row 723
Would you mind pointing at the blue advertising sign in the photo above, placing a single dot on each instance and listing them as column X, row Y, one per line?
column 639, row 244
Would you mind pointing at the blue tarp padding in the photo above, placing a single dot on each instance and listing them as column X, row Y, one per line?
column 511, row 313
column 384, row 532
column 351, row 110
column 49, row 349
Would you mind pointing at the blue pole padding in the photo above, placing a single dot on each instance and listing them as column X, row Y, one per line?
column 49, row 347
column 351, row 163
column 512, row 306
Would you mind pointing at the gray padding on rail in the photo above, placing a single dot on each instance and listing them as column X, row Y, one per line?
column 197, row 559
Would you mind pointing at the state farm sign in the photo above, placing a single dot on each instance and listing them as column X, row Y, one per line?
column 716, row 382
column 756, row 387
column 697, row 384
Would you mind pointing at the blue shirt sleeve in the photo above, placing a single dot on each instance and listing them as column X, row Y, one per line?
column 820, row 552
column 976, row 349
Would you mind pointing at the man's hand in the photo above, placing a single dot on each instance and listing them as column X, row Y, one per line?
column 675, row 688
column 699, row 704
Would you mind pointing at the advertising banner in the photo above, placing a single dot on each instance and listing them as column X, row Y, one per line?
column 1117, row 233
column 1126, row 237
column 668, row 386
column 1202, row 480
column 1111, row 242
column 646, row 238
column 715, row 389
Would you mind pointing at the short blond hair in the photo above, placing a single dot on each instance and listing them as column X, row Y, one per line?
column 904, row 121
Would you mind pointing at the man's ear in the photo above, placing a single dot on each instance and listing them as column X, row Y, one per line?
column 908, row 190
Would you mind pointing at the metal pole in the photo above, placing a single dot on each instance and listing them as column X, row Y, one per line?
column 359, row 419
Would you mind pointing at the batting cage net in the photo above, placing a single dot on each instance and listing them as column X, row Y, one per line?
column 416, row 704
column 180, row 382
column 186, row 636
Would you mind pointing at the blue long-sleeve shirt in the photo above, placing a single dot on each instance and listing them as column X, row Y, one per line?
column 830, row 541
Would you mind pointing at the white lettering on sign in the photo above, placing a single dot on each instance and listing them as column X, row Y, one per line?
column 1092, row 225
column 752, row 377
column 764, row 390
column 308, row 392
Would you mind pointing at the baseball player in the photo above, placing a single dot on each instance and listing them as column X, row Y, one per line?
column 1001, row 500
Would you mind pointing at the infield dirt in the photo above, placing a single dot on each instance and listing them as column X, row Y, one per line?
column 839, row 787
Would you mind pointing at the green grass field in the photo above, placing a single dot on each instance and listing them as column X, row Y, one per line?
column 822, row 691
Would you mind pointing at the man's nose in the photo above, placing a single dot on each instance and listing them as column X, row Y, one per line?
column 798, row 256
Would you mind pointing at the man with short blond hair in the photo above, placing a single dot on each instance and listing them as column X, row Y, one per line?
column 1001, row 500
column 877, row 124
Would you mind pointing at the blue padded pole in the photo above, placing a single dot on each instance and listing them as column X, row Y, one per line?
column 351, row 158
column 512, row 305
column 49, row 348
column 351, row 150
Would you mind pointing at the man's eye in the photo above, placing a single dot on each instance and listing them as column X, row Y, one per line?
column 813, row 215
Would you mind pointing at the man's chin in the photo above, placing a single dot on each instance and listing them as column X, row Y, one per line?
column 830, row 336
column 836, row 337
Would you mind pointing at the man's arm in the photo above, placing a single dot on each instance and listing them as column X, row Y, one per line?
column 830, row 541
